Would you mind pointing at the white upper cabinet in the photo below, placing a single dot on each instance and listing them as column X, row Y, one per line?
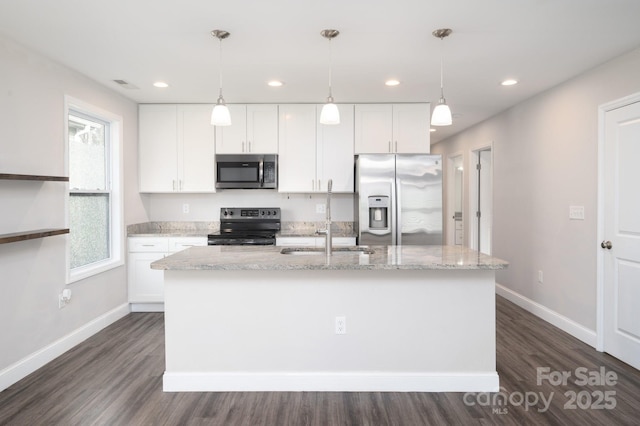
column 158, row 147
column 335, row 152
column 196, row 145
column 297, row 148
column 254, row 129
column 392, row 128
column 311, row 153
column 176, row 148
column 373, row 128
column 411, row 123
column 233, row 139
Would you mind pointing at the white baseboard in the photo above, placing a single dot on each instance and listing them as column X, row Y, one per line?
column 31, row 363
column 330, row 382
column 565, row 324
column 147, row 307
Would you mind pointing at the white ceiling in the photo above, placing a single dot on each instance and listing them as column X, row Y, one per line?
column 539, row 42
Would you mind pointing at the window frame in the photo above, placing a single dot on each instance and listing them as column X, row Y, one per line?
column 114, row 173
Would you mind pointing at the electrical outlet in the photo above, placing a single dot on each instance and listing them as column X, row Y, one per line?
column 576, row 212
column 185, row 208
column 61, row 301
column 64, row 298
column 341, row 325
column 540, row 277
column 321, row 208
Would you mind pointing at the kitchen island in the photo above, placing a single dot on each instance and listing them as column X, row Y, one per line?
column 403, row 318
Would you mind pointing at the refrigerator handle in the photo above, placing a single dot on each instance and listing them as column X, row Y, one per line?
column 398, row 209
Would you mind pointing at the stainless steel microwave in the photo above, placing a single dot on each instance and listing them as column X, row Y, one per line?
column 247, row 171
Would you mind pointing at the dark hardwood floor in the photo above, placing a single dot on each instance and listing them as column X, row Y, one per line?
column 115, row 378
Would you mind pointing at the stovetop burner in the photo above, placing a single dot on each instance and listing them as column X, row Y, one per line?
column 247, row 226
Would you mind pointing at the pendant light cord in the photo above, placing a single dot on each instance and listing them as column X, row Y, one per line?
column 220, row 60
column 330, row 67
column 441, row 67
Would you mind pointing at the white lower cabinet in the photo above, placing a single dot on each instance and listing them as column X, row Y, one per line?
column 314, row 241
column 146, row 285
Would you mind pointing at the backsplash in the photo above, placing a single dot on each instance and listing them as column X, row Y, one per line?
column 189, row 228
column 174, row 227
column 206, row 207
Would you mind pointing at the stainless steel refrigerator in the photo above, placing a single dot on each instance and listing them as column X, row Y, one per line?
column 399, row 199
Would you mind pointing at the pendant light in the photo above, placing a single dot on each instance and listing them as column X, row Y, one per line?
column 441, row 113
column 329, row 113
column 220, row 115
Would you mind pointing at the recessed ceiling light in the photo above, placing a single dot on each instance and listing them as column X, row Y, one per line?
column 391, row 82
column 432, row 130
column 509, row 82
column 160, row 84
column 275, row 83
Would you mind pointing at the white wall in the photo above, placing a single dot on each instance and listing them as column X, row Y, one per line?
column 545, row 160
column 33, row 273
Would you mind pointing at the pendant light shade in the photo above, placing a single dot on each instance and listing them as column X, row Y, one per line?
column 441, row 113
column 220, row 115
column 329, row 114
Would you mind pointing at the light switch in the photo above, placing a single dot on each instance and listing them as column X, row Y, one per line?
column 576, row 212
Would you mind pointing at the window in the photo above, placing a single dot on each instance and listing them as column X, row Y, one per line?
column 95, row 216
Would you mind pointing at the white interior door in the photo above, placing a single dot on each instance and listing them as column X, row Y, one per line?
column 621, row 243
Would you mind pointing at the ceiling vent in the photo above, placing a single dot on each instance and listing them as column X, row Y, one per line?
column 126, row 85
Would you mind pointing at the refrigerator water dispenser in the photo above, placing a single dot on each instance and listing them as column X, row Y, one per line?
column 378, row 212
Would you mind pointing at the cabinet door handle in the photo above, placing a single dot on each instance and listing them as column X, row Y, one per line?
column 396, row 146
column 313, row 184
column 389, row 146
column 248, row 146
column 242, row 146
column 174, row 184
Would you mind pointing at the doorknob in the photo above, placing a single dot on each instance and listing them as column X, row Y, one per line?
column 606, row 244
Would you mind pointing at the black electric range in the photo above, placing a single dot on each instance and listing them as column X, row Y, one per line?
column 246, row 226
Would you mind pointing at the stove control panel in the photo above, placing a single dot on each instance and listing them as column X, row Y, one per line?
column 245, row 213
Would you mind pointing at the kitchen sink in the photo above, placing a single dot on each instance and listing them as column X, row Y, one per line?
column 320, row 250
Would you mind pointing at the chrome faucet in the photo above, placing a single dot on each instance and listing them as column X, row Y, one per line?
column 327, row 231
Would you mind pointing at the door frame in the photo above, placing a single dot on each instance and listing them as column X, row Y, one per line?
column 471, row 232
column 450, row 208
column 602, row 115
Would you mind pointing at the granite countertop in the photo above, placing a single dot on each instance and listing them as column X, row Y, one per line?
column 384, row 257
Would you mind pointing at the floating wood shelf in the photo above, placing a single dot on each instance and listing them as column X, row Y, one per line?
column 9, row 176
column 30, row 235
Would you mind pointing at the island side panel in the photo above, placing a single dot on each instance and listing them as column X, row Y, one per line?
column 407, row 330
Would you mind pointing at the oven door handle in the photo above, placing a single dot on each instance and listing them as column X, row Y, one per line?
column 261, row 172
